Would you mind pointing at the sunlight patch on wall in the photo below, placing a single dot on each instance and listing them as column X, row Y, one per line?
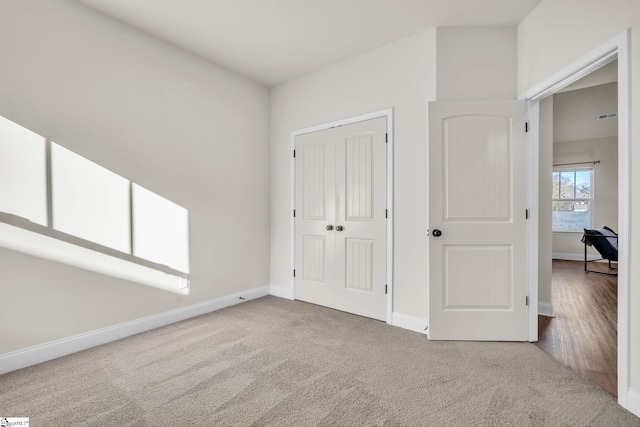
column 58, row 205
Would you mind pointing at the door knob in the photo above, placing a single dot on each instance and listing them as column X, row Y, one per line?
column 329, row 227
column 436, row 233
column 339, row 228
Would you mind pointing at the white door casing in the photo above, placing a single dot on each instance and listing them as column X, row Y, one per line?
column 477, row 202
column 340, row 183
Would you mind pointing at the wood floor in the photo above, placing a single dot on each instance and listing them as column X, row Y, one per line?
column 584, row 333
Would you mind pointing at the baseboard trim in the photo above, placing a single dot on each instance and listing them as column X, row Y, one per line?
column 633, row 402
column 52, row 350
column 407, row 321
column 545, row 309
column 574, row 257
column 282, row 292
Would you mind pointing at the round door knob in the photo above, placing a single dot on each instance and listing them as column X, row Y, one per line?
column 436, row 233
column 339, row 228
column 329, row 227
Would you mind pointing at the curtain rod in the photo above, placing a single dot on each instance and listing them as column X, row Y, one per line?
column 595, row 162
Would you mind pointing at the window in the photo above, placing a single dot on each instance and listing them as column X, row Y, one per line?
column 572, row 198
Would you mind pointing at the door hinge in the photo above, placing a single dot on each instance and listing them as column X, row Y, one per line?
column 526, row 302
column 526, row 127
column 386, row 288
column 294, row 153
column 294, row 272
column 526, row 214
column 294, row 213
column 386, row 137
column 386, row 213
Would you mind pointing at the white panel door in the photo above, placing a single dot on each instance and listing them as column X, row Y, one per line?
column 477, row 220
column 361, row 229
column 340, row 223
column 315, row 211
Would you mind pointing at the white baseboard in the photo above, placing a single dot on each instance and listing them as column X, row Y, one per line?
column 545, row 309
column 567, row 256
column 633, row 402
column 574, row 257
column 400, row 320
column 407, row 321
column 281, row 292
column 52, row 350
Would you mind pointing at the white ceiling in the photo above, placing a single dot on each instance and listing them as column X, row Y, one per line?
column 273, row 41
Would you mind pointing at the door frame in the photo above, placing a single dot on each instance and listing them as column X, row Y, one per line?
column 616, row 48
column 388, row 114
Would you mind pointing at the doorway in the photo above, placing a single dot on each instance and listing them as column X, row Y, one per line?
column 617, row 48
column 578, row 190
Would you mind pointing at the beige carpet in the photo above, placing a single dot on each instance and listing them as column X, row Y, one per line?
column 282, row 363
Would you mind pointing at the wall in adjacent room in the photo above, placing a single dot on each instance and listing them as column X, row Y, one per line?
column 580, row 137
column 605, row 190
column 545, row 240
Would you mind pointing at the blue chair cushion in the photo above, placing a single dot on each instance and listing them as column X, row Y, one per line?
column 605, row 240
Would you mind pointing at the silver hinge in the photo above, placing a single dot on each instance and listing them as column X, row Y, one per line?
column 526, row 214
column 526, row 302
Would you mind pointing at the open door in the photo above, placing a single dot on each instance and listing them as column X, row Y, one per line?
column 477, row 214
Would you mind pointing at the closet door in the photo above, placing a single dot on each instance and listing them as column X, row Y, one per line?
column 340, row 223
column 315, row 218
column 361, row 226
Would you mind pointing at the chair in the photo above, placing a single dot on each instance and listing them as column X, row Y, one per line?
column 605, row 241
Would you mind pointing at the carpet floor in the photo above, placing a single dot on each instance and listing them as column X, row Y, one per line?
column 274, row 362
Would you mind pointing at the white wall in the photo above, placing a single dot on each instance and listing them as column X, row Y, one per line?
column 559, row 32
column 402, row 75
column 189, row 131
column 476, row 63
column 575, row 113
column 605, row 188
column 579, row 137
column 399, row 75
column 544, row 200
